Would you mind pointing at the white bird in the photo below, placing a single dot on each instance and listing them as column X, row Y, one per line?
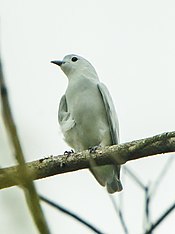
column 87, row 116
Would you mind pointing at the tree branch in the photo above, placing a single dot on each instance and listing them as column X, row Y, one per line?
column 71, row 214
column 119, row 154
column 29, row 187
column 119, row 212
column 160, row 219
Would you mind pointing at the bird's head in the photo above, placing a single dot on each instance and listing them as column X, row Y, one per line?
column 74, row 65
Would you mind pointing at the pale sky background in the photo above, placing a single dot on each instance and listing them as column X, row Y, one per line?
column 132, row 46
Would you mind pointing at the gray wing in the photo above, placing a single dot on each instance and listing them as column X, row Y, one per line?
column 64, row 116
column 110, row 112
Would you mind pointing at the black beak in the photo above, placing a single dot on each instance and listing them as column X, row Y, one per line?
column 58, row 62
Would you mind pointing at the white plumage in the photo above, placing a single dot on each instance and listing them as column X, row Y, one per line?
column 87, row 116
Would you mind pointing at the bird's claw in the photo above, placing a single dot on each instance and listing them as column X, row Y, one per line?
column 68, row 153
column 93, row 149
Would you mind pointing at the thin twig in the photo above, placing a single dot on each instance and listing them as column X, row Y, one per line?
column 134, row 177
column 70, row 213
column 161, row 218
column 147, row 221
column 160, row 177
column 150, row 191
column 120, row 214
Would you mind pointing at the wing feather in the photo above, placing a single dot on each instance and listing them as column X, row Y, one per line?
column 64, row 117
column 110, row 112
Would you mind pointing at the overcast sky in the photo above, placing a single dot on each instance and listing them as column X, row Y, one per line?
column 132, row 46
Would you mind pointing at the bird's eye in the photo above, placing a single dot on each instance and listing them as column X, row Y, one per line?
column 74, row 59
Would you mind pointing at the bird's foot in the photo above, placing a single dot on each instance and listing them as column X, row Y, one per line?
column 93, row 149
column 68, row 153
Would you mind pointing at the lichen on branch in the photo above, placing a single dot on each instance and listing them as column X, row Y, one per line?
column 119, row 154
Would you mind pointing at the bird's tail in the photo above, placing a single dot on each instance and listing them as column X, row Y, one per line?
column 109, row 176
column 114, row 186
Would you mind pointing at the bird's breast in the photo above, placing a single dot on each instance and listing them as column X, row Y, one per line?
column 86, row 107
column 84, row 100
